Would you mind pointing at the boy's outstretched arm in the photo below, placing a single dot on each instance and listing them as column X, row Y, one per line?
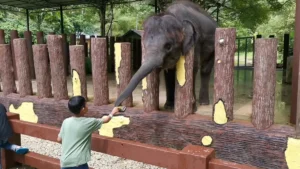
column 106, row 119
column 59, row 139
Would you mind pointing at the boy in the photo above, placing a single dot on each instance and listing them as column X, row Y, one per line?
column 75, row 134
column 5, row 133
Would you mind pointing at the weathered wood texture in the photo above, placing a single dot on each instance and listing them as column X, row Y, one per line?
column 28, row 37
column 58, row 76
column 6, row 70
column 2, row 36
column 99, row 71
column 40, row 37
column 150, row 95
column 42, row 69
column 82, row 41
column 184, row 92
column 224, row 68
column 111, row 63
column 13, row 35
column 264, row 83
column 78, row 64
column 124, row 72
column 235, row 141
column 23, row 69
column 72, row 39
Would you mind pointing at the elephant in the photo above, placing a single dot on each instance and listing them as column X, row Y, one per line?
column 169, row 35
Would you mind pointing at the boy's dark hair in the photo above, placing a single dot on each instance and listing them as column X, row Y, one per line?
column 76, row 103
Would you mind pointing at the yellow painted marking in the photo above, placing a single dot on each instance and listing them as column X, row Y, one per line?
column 144, row 83
column 220, row 113
column 115, row 122
column 26, row 112
column 118, row 59
column 206, row 140
column 292, row 153
column 76, row 83
column 180, row 71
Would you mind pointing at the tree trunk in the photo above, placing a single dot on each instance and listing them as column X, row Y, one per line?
column 2, row 36
column 99, row 71
column 150, row 83
column 65, row 54
column 72, row 39
column 264, row 83
column 224, row 72
column 14, row 35
column 78, row 67
column 23, row 69
column 184, row 96
column 123, row 70
column 6, row 70
column 40, row 37
column 58, row 76
column 42, row 69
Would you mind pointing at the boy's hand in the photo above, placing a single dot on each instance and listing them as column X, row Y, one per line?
column 115, row 111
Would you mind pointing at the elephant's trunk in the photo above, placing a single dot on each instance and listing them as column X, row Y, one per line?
column 143, row 71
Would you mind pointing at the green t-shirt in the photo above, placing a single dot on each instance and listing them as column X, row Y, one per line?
column 76, row 134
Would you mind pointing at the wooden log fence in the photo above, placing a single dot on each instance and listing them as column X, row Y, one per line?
column 40, row 37
column 14, row 35
column 2, row 36
column 191, row 157
column 52, row 52
column 123, row 70
column 28, row 37
column 99, row 71
column 23, row 69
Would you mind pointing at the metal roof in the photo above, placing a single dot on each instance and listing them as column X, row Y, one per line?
column 40, row 4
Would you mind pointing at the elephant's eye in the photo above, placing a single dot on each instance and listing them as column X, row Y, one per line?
column 167, row 46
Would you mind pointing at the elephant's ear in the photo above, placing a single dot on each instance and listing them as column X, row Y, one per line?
column 189, row 37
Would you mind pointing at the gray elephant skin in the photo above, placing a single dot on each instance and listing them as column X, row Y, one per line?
column 169, row 35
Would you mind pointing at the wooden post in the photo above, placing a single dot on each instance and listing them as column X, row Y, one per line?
column 184, row 96
column 123, row 70
column 99, row 71
column 78, row 70
column 40, row 37
column 2, row 36
column 264, row 83
column 23, row 69
column 66, row 57
column 6, row 70
column 224, row 71
column 72, row 39
column 28, row 37
column 150, row 87
column 13, row 35
column 42, row 69
column 58, row 76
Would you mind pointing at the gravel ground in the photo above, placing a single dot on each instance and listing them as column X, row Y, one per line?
column 99, row 160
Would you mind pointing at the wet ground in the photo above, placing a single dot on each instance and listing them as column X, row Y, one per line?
column 242, row 95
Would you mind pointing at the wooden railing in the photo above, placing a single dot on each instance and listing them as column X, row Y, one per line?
column 191, row 157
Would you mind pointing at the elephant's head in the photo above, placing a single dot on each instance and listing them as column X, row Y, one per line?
column 165, row 39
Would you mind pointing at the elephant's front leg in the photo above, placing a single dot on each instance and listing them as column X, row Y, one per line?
column 205, row 72
column 170, row 88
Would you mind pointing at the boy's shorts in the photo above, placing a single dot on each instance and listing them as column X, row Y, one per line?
column 2, row 142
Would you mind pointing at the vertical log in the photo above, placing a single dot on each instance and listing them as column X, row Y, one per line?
column 99, row 71
column 286, row 44
column 72, row 39
column 184, row 96
column 14, row 35
column 123, row 70
column 2, row 36
column 42, row 69
column 150, row 87
column 6, row 70
column 58, row 76
column 224, row 73
column 40, row 37
column 23, row 69
column 65, row 54
column 78, row 70
column 51, row 33
column 28, row 37
column 264, row 83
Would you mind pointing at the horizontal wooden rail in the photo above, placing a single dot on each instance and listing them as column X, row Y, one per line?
column 38, row 161
column 191, row 157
